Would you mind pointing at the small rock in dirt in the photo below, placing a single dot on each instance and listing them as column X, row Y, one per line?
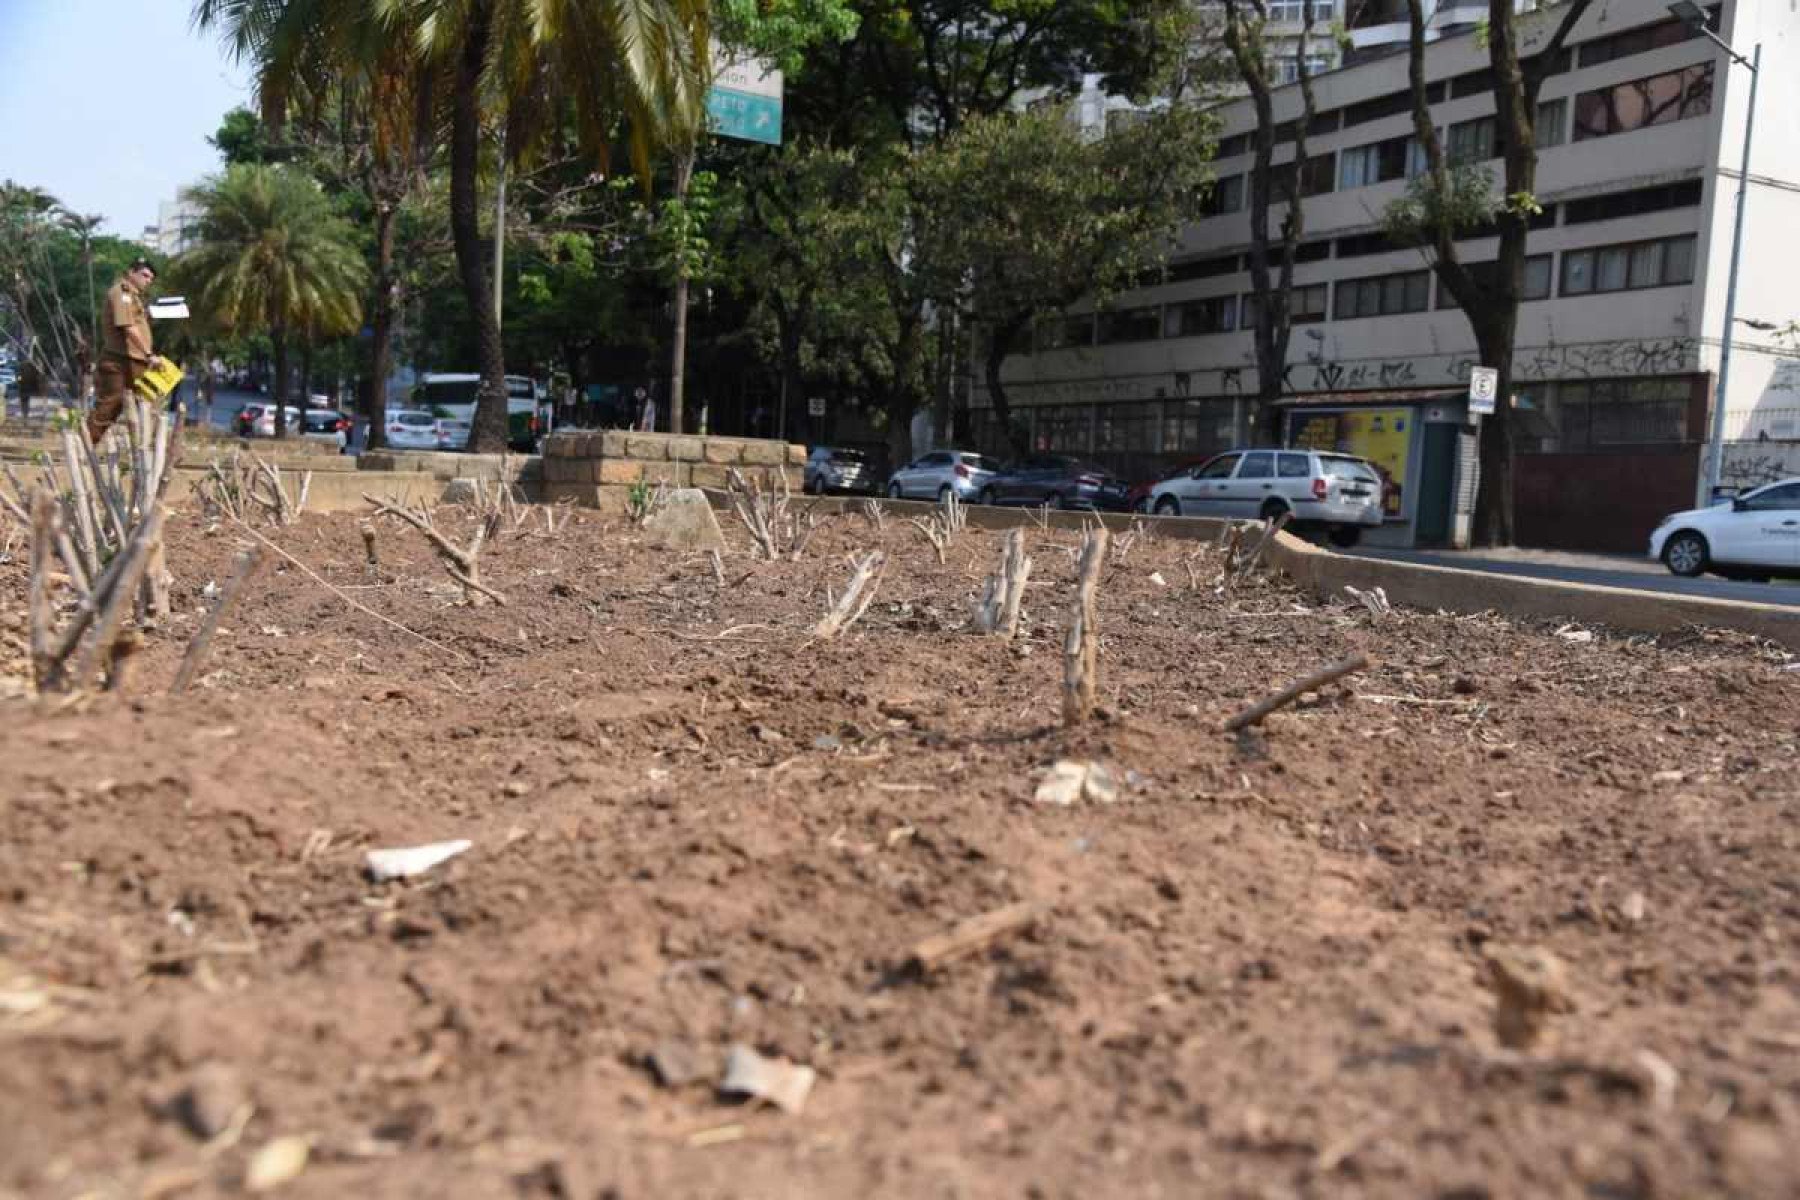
column 515, row 787
column 1158, row 580
column 684, row 522
column 1634, row 907
column 676, row 1064
column 1464, row 686
column 1667, row 778
column 1530, row 984
column 277, row 1163
column 1069, row 781
column 459, row 491
column 212, row 1097
column 826, row 742
column 780, row 1082
column 1569, row 633
column 407, row 861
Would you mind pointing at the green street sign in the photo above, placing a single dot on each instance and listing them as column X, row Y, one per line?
column 745, row 117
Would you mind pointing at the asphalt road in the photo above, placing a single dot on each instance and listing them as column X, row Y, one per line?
column 1603, row 570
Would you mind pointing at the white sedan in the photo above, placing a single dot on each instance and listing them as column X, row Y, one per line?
column 1755, row 535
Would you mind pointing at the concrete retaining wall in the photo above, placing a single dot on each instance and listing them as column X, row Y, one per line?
column 1324, row 574
column 598, row 470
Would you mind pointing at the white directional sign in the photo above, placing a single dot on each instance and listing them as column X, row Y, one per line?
column 745, row 102
column 1484, row 387
column 815, row 406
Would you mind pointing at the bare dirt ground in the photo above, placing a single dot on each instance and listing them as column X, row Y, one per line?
column 1259, row 973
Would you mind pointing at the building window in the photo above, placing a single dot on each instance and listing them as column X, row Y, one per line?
column 1287, row 67
column 1125, row 428
column 1204, row 268
column 1379, row 162
column 1130, row 325
column 1196, row 428
column 1657, row 100
column 1551, row 126
column 1634, row 203
column 1600, row 414
column 1641, row 40
column 1383, row 295
column 1294, row 11
column 1536, row 284
column 1227, row 196
column 1316, row 176
column 1472, row 141
column 1214, row 314
column 1230, row 147
column 1622, row 268
column 1064, row 428
column 1306, row 306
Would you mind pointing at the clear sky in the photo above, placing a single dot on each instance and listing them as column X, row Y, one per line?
column 107, row 104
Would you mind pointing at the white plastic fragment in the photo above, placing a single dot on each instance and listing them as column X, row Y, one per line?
column 1156, row 577
column 780, row 1082
column 407, row 861
column 1569, row 633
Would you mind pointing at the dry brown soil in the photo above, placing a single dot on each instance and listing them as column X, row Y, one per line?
column 1259, row 973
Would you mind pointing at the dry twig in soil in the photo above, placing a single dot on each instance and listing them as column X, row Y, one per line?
column 1270, row 529
column 970, row 936
column 856, row 598
column 1081, row 647
column 875, row 514
column 201, row 645
column 998, row 611
column 1293, row 691
column 777, row 531
column 346, row 597
column 463, row 564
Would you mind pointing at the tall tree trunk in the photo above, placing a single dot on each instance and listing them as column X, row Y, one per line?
column 1000, row 346
column 381, row 324
column 1494, row 498
column 678, row 300
column 488, row 432
column 278, row 390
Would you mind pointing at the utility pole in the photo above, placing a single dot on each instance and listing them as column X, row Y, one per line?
column 1699, row 21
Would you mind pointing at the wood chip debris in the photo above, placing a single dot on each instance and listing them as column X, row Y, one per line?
column 970, row 936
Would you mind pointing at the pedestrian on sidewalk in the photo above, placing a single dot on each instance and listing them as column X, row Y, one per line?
column 125, row 351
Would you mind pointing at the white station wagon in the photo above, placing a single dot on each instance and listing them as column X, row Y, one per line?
column 1755, row 535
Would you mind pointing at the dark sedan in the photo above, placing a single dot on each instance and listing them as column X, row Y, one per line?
column 1056, row 481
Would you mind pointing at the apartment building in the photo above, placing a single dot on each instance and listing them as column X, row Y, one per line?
column 1640, row 131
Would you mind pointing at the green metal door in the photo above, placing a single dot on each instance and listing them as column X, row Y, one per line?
column 1437, row 481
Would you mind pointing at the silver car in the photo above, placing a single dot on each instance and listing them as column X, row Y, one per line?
column 1339, row 492
column 411, row 429
column 837, row 470
column 941, row 472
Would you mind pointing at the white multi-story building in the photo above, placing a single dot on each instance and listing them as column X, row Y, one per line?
column 1641, row 129
column 177, row 224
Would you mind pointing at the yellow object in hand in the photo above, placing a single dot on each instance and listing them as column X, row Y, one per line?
column 157, row 381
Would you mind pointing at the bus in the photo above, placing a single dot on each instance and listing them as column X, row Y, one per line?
column 451, row 397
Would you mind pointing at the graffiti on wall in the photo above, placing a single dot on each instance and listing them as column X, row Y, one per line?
column 1318, row 372
column 1752, row 464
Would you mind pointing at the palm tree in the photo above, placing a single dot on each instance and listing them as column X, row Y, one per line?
column 272, row 256
column 524, row 65
column 374, row 76
column 530, row 64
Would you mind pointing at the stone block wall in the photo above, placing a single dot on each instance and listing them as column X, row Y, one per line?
column 598, row 470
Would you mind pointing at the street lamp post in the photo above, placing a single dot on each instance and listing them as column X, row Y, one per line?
column 1696, row 19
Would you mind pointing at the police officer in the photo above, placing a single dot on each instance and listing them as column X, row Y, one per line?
column 125, row 346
